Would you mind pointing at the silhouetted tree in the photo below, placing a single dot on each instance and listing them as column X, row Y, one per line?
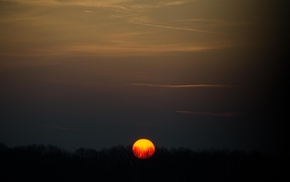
column 50, row 163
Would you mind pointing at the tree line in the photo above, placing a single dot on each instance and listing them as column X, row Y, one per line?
column 51, row 163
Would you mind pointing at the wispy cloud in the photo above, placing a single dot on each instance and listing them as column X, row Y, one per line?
column 85, row 29
column 180, row 86
column 88, row 11
column 122, row 48
column 126, row 48
column 116, row 4
column 12, row 19
column 156, row 4
column 215, row 114
column 172, row 27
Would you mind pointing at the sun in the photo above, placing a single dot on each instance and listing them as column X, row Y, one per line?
column 143, row 148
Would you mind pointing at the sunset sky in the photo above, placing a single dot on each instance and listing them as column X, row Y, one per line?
column 200, row 74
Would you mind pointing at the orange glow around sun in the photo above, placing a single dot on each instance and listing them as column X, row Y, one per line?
column 143, row 148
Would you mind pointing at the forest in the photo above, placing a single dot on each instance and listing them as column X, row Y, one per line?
column 51, row 163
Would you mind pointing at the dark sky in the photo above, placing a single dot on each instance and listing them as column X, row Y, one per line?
column 202, row 74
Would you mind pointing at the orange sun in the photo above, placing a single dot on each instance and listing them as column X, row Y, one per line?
column 143, row 148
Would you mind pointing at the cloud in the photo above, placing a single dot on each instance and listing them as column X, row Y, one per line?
column 172, row 27
column 215, row 114
column 88, row 11
column 156, row 4
column 181, row 86
column 85, row 29
column 116, row 4
column 121, row 48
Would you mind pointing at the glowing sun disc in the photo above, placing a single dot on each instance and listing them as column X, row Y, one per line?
column 143, row 148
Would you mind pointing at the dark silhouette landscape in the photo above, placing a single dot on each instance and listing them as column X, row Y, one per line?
column 51, row 163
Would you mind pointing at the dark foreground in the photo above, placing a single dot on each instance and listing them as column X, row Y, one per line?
column 50, row 163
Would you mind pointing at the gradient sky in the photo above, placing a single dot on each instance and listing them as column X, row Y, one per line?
column 200, row 74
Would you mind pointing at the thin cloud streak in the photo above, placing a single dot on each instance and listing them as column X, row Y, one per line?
column 173, row 28
column 156, row 5
column 115, row 4
column 13, row 19
column 215, row 114
column 180, row 86
column 131, row 48
column 124, row 49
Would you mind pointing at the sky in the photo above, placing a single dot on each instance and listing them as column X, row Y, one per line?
column 199, row 74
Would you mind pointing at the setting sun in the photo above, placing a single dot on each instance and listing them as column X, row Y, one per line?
column 143, row 148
